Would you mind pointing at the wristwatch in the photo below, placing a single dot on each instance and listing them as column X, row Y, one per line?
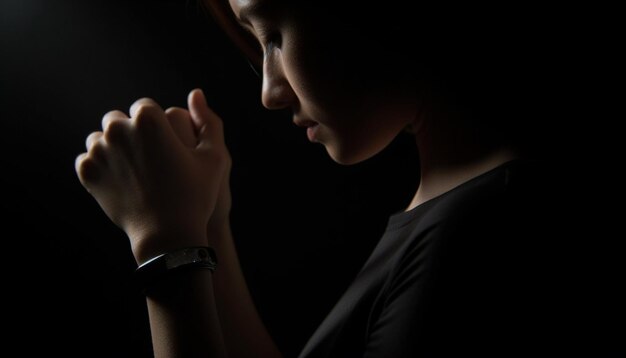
column 163, row 265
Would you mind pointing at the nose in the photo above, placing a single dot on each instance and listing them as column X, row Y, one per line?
column 277, row 92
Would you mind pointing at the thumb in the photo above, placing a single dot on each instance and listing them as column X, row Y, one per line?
column 208, row 125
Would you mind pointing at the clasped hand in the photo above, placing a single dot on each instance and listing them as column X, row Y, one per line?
column 159, row 175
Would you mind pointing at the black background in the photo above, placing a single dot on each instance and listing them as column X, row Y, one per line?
column 303, row 225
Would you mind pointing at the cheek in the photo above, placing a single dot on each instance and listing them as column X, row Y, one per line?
column 360, row 117
column 321, row 70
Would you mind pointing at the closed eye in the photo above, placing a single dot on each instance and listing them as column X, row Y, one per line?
column 267, row 37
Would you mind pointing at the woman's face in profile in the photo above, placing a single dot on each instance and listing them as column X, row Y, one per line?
column 330, row 76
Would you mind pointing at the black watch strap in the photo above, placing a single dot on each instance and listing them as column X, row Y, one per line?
column 158, row 267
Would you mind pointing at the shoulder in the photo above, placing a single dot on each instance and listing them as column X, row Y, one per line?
column 478, row 232
column 491, row 227
column 490, row 267
column 486, row 268
column 507, row 202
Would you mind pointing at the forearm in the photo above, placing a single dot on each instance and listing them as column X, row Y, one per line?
column 244, row 332
column 157, row 175
column 183, row 316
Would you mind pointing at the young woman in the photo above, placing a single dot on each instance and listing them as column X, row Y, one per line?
column 463, row 271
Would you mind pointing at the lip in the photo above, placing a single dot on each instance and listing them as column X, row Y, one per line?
column 306, row 123
column 310, row 125
column 311, row 133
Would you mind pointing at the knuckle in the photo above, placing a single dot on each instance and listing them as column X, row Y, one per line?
column 141, row 105
column 175, row 111
column 141, row 102
column 177, row 115
column 147, row 115
column 115, row 131
column 97, row 152
column 92, row 138
column 112, row 115
column 144, row 100
column 143, row 120
column 87, row 169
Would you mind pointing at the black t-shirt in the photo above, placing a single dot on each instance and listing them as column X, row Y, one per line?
column 478, row 271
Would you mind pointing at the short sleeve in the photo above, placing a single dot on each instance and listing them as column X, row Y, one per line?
column 397, row 324
column 465, row 290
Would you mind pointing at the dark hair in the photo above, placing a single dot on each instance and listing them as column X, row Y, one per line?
column 222, row 14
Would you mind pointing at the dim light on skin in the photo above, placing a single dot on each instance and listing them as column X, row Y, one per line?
column 166, row 193
column 354, row 121
column 353, row 115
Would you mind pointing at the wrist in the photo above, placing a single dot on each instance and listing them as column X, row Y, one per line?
column 158, row 269
column 218, row 230
column 150, row 246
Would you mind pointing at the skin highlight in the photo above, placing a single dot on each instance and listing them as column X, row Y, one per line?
column 354, row 100
column 359, row 125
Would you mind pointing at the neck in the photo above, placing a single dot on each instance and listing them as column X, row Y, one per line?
column 451, row 154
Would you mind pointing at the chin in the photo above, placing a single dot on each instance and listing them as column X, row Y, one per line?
column 349, row 156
